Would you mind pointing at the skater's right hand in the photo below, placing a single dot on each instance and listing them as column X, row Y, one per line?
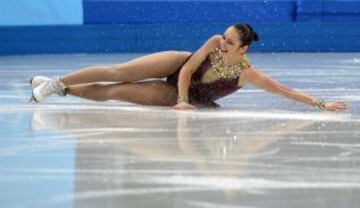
column 183, row 106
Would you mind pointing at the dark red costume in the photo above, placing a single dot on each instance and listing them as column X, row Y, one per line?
column 224, row 81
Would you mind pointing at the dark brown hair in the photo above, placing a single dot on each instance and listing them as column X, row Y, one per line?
column 247, row 33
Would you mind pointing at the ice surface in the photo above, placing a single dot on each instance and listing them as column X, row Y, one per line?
column 257, row 150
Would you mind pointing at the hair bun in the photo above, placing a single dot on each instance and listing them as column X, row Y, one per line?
column 255, row 36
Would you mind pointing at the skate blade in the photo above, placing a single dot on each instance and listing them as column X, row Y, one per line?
column 30, row 82
column 32, row 99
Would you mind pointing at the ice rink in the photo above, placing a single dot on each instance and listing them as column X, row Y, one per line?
column 257, row 150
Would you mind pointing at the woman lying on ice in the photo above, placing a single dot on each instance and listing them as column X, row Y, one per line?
column 218, row 68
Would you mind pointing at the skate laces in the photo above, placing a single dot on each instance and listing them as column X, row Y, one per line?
column 53, row 86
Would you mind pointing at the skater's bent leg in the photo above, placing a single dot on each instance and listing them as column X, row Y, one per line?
column 156, row 65
column 146, row 93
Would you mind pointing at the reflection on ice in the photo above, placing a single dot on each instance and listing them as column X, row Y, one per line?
column 176, row 153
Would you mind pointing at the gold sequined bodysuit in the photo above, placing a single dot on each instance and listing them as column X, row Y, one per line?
column 213, row 79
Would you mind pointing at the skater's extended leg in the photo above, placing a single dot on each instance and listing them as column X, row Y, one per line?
column 145, row 93
column 156, row 65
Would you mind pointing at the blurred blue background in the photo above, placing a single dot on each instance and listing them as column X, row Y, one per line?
column 99, row 26
column 43, row 12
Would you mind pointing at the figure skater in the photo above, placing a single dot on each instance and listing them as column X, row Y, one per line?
column 218, row 68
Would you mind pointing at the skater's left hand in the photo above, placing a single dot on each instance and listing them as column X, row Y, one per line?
column 332, row 106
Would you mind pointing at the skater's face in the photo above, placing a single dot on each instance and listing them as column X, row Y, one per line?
column 230, row 44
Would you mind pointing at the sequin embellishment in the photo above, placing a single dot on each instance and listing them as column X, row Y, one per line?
column 219, row 70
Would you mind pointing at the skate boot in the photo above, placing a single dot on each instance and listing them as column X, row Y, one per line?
column 47, row 88
column 37, row 80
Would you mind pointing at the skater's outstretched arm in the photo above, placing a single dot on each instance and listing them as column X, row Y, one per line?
column 262, row 81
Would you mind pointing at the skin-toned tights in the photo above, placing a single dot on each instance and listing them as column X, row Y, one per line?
column 128, row 76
